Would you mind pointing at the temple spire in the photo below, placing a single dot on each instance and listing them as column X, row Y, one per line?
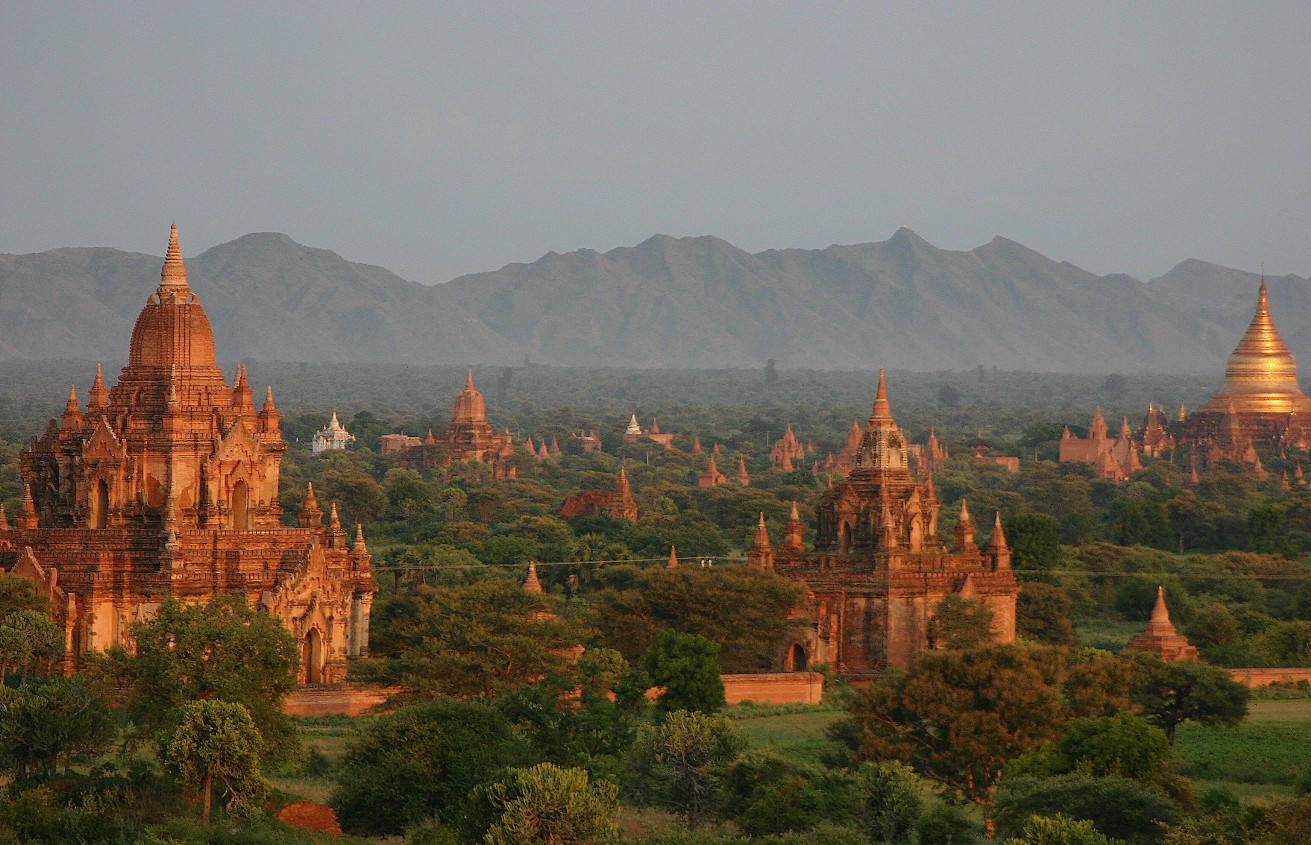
column 97, row 396
column 28, row 518
column 359, row 548
column 174, row 273
column 882, row 410
column 72, row 414
column 673, row 551
column 311, row 515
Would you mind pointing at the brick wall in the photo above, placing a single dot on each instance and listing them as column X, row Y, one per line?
column 1265, row 677
column 774, row 688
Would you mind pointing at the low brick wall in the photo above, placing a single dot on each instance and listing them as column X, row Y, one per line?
column 774, row 688
column 1265, row 677
column 335, row 699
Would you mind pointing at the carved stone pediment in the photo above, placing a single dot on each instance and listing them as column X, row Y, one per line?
column 104, row 444
column 239, row 445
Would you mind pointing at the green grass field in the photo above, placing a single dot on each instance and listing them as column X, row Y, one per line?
column 1263, row 758
column 797, row 733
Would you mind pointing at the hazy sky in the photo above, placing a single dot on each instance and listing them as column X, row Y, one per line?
column 440, row 139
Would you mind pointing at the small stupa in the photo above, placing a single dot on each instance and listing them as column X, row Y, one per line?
column 1161, row 638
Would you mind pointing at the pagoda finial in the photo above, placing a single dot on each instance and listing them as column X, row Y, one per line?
column 70, row 407
column 964, row 512
column 334, row 521
column 881, row 408
column 1160, row 613
column 268, row 401
column 795, row 516
column 468, row 383
column 359, row 548
column 531, row 584
column 174, row 273
column 673, row 553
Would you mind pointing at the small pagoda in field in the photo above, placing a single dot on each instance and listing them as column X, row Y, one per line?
column 1161, row 638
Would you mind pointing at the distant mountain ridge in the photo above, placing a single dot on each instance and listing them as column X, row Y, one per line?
column 666, row 302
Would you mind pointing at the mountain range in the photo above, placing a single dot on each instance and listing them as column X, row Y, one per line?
column 696, row 302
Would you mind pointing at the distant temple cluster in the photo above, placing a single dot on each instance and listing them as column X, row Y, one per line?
column 166, row 485
column 1260, row 405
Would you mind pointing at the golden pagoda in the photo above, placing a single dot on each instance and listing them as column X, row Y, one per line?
column 1261, row 377
column 1260, row 403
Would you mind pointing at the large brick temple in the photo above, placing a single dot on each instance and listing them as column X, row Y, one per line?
column 167, row 485
column 880, row 567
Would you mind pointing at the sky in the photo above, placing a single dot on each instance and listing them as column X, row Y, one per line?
column 437, row 139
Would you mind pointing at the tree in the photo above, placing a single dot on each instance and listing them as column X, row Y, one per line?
column 687, row 666
column 1118, row 807
column 1042, row 613
column 958, row 717
column 681, row 760
column 1035, row 543
column 488, row 638
column 217, row 742
column 29, row 641
column 547, row 804
column 744, row 610
column 422, row 762
column 53, row 720
column 1060, row 830
column 17, row 593
column 1123, row 745
column 890, row 801
column 223, row 650
column 1172, row 693
column 960, row 623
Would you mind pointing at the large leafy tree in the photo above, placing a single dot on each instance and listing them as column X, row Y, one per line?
column 958, row 717
column 1170, row 694
column 52, row 721
column 220, row 650
column 422, row 762
column 489, row 638
column 743, row 609
column 217, row 743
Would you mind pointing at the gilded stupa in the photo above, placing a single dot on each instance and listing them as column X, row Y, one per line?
column 1261, row 376
column 1260, row 403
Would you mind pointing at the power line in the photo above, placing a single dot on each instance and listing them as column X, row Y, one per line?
column 691, row 562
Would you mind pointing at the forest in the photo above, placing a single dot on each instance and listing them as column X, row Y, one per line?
column 521, row 716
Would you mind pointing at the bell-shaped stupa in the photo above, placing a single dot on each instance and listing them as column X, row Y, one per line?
column 1261, row 377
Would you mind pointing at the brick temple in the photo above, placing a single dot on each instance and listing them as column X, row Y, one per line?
column 880, row 566
column 166, row 485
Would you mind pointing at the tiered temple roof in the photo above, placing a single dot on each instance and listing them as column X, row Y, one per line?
column 168, row 485
column 880, row 567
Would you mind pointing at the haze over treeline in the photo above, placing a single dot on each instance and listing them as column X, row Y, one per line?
column 665, row 303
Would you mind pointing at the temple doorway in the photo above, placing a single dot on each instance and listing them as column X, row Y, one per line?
column 312, row 657
column 100, row 505
column 796, row 661
column 240, row 506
